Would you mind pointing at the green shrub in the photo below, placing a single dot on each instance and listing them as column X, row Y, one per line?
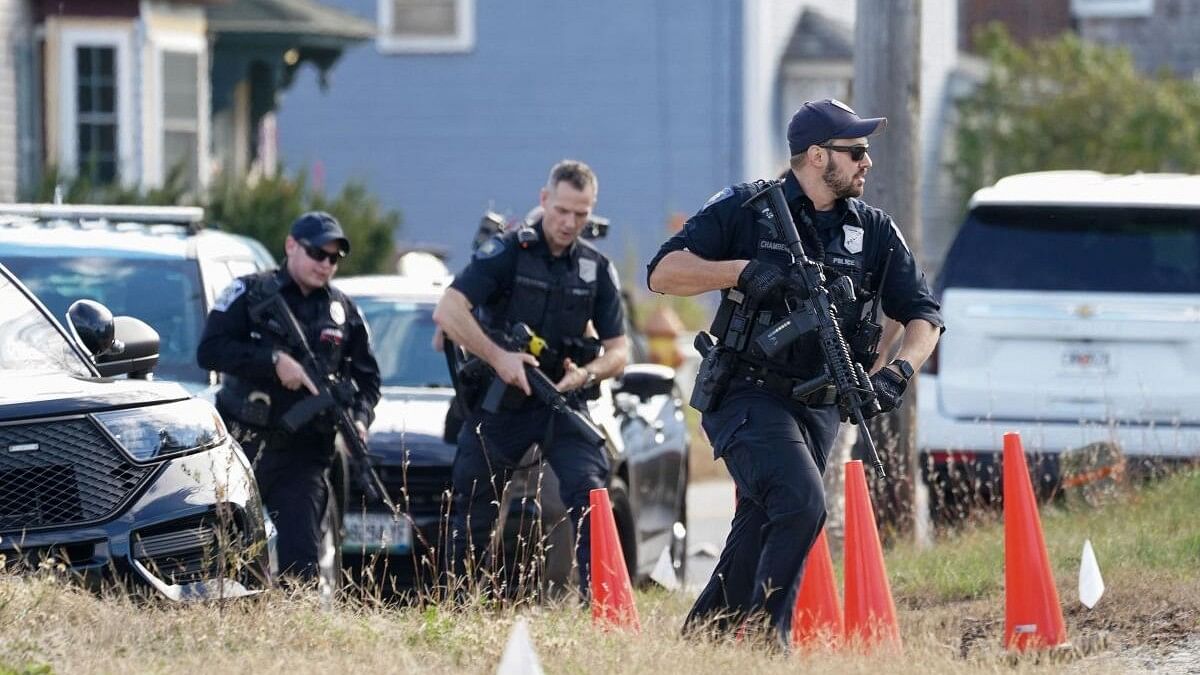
column 1069, row 104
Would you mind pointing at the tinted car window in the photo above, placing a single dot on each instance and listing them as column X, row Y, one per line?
column 1077, row 249
column 29, row 342
column 401, row 337
column 165, row 294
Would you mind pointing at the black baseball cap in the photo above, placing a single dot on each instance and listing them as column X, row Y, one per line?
column 818, row 121
column 318, row 228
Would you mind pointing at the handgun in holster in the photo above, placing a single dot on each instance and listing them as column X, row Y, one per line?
column 256, row 409
column 249, row 423
column 716, row 370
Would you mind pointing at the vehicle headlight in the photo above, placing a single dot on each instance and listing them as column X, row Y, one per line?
column 160, row 431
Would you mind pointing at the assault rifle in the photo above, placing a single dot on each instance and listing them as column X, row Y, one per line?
column 811, row 307
column 500, row 395
column 333, row 394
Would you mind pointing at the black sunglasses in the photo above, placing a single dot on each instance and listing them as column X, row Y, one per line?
column 856, row 152
column 319, row 254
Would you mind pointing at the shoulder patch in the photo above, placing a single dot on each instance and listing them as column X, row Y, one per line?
column 720, row 196
column 232, row 292
column 490, row 248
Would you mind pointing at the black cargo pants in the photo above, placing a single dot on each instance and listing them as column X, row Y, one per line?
column 292, row 478
column 775, row 450
column 485, row 462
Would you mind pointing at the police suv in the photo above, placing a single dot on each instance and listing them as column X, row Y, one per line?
column 117, row 479
column 158, row 263
column 1072, row 308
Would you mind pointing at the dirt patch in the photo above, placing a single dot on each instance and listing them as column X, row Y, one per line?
column 1151, row 623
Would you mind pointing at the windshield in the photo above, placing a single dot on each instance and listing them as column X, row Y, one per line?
column 1121, row 250
column 401, row 337
column 166, row 294
column 29, row 342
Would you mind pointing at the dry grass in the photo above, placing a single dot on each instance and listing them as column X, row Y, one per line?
column 950, row 604
column 47, row 622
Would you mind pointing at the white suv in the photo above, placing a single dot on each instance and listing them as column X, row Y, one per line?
column 1072, row 308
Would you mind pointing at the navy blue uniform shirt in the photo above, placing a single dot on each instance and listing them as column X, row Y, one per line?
column 232, row 344
column 856, row 239
column 490, row 276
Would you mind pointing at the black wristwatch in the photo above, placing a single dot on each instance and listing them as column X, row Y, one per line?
column 905, row 367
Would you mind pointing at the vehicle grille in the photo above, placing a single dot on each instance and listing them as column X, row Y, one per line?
column 71, row 474
column 186, row 550
column 417, row 490
column 16, row 558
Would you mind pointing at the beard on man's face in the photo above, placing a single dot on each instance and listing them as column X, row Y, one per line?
column 841, row 186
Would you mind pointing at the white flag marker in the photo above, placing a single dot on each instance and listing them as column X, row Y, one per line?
column 519, row 657
column 664, row 571
column 1091, row 585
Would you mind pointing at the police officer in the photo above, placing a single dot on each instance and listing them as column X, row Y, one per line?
column 262, row 381
column 545, row 276
column 773, row 444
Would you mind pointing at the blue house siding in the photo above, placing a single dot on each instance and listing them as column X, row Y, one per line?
column 644, row 91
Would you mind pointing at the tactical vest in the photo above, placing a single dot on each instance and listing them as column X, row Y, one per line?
column 555, row 306
column 326, row 335
column 804, row 359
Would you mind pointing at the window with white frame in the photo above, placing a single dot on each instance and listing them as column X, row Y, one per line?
column 93, row 131
column 181, row 116
column 426, row 26
column 96, row 121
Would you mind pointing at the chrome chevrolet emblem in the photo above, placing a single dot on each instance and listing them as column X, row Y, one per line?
column 23, row 447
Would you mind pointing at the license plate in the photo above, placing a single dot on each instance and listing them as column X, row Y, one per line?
column 376, row 533
column 1087, row 360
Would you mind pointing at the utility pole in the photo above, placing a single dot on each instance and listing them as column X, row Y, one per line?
column 887, row 82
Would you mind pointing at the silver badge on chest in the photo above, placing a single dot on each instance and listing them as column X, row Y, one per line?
column 337, row 312
column 853, row 239
column 587, row 270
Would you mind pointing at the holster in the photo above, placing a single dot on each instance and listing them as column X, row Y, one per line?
column 253, row 409
column 249, row 422
column 715, row 372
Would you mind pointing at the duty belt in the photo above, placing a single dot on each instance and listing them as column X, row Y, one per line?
column 782, row 385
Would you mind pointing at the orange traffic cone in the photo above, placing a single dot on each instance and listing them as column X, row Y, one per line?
column 612, row 594
column 1032, row 614
column 817, row 616
column 870, row 612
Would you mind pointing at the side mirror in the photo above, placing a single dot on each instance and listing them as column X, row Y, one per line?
column 139, row 352
column 118, row 345
column 646, row 380
column 93, row 326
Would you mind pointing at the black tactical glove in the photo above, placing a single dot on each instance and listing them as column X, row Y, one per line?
column 889, row 388
column 758, row 280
